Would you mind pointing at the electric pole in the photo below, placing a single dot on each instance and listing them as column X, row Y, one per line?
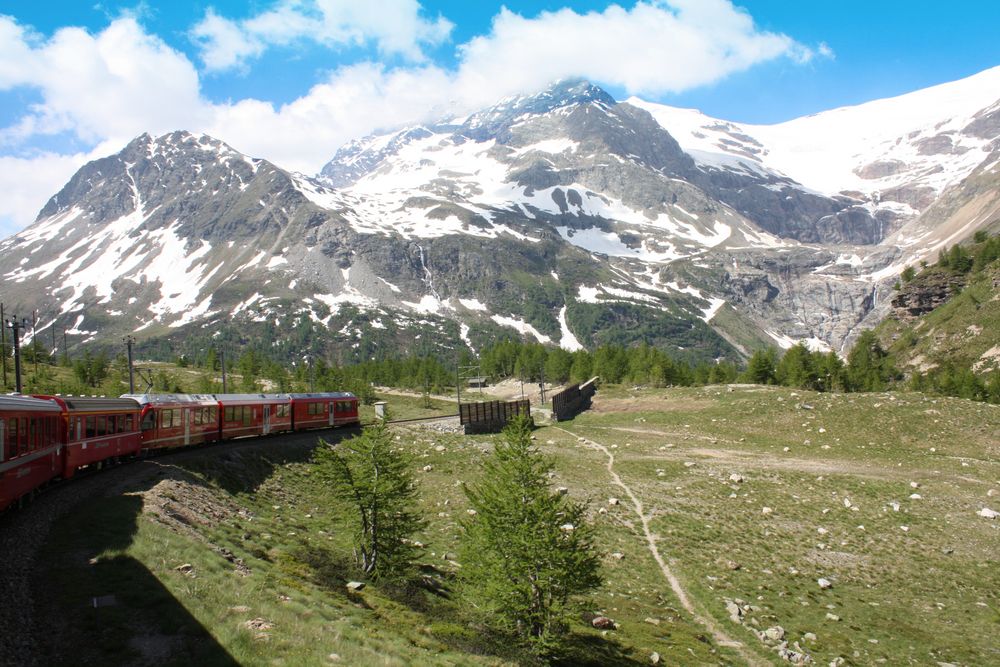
column 16, row 327
column 3, row 346
column 129, row 341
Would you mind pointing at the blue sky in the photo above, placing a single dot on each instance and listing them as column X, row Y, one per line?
column 291, row 80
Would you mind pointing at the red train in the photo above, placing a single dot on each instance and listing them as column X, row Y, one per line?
column 43, row 438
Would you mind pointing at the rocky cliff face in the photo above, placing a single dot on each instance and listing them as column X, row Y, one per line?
column 925, row 293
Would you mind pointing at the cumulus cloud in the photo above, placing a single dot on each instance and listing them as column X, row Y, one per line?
column 654, row 48
column 108, row 87
column 396, row 27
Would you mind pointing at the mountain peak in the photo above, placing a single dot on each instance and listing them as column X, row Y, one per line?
column 560, row 94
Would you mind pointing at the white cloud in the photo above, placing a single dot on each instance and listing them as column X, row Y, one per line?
column 395, row 27
column 27, row 183
column 110, row 86
column 655, row 47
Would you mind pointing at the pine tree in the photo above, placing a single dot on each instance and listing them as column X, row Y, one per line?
column 528, row 550
column 378, row 483
column 761, row 367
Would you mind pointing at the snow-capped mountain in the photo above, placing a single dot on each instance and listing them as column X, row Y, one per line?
column 564, row 216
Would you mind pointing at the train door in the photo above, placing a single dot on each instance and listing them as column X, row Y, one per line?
column 187, row 426
column 330, row 409
column 267, row 419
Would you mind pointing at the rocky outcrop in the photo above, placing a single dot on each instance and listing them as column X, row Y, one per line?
column 925, row 293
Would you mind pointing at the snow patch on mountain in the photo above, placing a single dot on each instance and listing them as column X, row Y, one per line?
column 521, row 326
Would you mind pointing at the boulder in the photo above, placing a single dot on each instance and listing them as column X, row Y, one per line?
column 604, row 623
column 355, row 586
column 987, row 513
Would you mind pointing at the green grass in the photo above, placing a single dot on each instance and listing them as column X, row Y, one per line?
column 924, row 595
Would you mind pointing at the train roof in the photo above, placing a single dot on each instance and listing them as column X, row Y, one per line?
column 161, row 399
column 97, row 404
column 17, row 402
column 250, row 398
column 328, row 394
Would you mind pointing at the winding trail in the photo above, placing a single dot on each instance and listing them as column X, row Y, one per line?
column 698, row 614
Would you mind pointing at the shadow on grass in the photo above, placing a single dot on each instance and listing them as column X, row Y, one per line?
column 241, row 466
column 106, row 608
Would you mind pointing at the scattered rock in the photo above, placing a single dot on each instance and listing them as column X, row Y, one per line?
column 258, row 625
column 766, row 510
column 991, row 493
column 618, row 555
column 439, row 448
column 736, row 478
column 809, row 637
column 987, row 513
column 614, row 501
column 735, row 613
column 654, row 658
column 689, row 464
column 428, row 468
column 652, row 621
column 915, row 496
column 333, row 657
column 185, row 568
column 355, row 585
column 471, row 512
column 567, row 527
column 824, row 583
column 239, row 609
column 604, row 623
column 914, row 485
column 775, row 633
column 832, row 617
column 733, row 565
column 562, row 490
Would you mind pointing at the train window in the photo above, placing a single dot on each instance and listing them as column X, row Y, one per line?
column 79, row 428
column 90, row 427
column 247, row 415
column 213, row 415
column 3, row 441
column 166, row 418
column 228, row 415
column 198, row 416
column 148, row 421
column 12, row 436
column 129, row 424
column 32, row 434
column 102, row 425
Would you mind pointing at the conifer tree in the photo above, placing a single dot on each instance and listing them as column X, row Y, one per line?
column 378, row 484
column 527, row 550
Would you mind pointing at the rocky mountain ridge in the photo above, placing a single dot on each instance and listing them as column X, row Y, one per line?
column 564, row 216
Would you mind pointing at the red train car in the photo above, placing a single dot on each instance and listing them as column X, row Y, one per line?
column 323, row 410
column 177, row 420
column 31, row 449
column 97, row 430
column 254, row 414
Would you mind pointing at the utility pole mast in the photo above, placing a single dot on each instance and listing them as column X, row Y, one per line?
column 3, row 346
column 16, row 327
column 129, row 341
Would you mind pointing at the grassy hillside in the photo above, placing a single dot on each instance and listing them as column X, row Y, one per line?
column 749, row 495
column 964, row 332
